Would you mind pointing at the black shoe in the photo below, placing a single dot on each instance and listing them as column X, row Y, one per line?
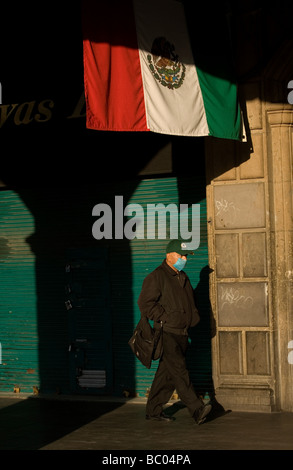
column 161, row 417
column 201, row 413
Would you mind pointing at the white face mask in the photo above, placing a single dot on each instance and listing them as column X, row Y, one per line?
column 180, row 264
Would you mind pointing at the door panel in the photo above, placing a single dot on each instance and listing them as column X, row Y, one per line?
column 87, row 303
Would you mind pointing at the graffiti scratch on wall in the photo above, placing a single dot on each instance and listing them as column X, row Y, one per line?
column 232, row 296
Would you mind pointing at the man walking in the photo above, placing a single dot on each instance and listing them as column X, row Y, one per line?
column 167, row 298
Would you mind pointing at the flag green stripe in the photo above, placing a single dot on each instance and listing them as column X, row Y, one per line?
column 221, row 105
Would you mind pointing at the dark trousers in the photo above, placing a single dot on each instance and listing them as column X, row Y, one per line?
column 172, row 374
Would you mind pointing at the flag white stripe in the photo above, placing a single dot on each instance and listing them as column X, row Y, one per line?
column 177, row 111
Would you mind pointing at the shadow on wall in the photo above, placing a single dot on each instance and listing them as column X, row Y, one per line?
column 63, row 221
column 199, row 353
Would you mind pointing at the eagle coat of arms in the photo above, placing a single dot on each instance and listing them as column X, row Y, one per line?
column 165, row 65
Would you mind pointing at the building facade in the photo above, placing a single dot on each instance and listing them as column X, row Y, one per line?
column 250, row 248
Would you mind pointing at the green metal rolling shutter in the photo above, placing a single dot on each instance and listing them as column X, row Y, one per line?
column 33, row 322
column 18, row 304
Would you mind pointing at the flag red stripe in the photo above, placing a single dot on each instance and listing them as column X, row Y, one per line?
column 112, row 72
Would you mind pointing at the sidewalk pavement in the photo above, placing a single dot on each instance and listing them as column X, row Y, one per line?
column 93, row 423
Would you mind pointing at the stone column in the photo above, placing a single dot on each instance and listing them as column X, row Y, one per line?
column 280, row 160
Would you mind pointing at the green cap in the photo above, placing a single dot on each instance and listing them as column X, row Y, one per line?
column 178, row 246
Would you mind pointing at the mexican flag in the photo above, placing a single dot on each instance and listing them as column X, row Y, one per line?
column 140, row 74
